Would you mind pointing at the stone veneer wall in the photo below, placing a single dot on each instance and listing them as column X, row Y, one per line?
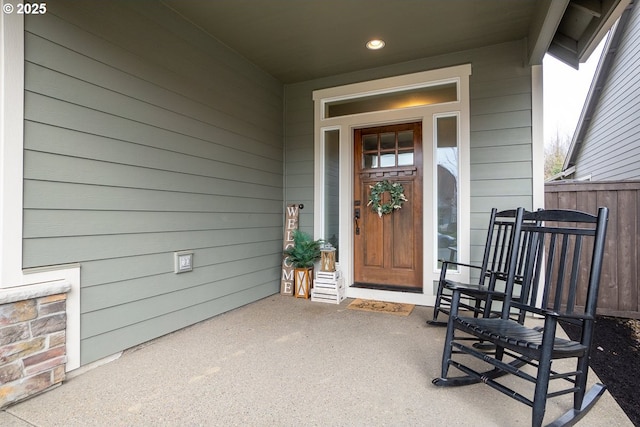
column 32, row 346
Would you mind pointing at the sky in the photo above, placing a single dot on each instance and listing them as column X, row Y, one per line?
column 565, row 90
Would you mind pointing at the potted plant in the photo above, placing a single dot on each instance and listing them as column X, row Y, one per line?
column 302, row 255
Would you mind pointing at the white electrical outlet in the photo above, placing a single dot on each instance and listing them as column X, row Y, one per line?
column 183, row 261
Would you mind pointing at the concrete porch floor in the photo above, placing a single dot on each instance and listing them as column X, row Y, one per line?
column 283, row 361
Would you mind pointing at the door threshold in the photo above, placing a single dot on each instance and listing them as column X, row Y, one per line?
column 381, row 287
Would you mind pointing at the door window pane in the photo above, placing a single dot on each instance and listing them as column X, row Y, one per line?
column 370, row 161
column 387, row 160
column 370, row 143
column 405, row 139
column 405, row 158
column 447, row 187
column 388, row 141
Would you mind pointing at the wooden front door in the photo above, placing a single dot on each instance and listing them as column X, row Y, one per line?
column 388, row 249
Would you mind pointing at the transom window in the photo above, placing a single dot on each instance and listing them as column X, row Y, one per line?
column 411, row 97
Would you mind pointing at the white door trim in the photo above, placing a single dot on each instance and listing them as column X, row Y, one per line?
column 346, row 125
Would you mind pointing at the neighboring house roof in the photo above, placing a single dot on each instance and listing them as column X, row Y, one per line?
column 595, row 91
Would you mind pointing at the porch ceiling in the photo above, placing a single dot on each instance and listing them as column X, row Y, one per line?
column 298, row 40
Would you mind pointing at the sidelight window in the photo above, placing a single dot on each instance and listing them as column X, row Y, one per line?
column 331, row 190
column 447, row 186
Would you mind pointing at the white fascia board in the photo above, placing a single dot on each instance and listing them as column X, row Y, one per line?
column 549, row 13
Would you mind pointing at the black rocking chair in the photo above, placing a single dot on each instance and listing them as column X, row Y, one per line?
column 571, row 245
column 494, row 267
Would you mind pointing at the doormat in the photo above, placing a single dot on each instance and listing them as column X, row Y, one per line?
column 381, row 307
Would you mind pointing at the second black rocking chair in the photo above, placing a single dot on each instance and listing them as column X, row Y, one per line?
column 501, row 237
column 571, row 245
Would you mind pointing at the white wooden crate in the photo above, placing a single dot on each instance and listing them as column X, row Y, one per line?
column 328, row 276
column 328, row 298
column 328, row 285
column 329, row 292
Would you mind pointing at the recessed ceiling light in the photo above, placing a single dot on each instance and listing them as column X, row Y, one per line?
column 375, row 44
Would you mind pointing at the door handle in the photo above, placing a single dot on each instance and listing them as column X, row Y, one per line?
column 356, row 217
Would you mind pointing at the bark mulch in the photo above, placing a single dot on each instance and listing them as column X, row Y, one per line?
column 615, row 358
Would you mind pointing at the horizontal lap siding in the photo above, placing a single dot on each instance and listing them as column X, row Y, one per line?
column 611, row 146
column 144, row 136
column 501, row 141
column 299, row 151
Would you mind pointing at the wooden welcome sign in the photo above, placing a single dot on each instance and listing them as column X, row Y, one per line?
column 291, row 224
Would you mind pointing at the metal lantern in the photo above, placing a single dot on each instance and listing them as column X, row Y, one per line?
column 327, row 258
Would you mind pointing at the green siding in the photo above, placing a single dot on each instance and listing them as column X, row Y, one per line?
column 145, row 136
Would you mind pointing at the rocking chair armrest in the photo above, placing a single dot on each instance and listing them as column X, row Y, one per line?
column 551, row 313
column 445, row 264
column 471, row 289
column 574, row 316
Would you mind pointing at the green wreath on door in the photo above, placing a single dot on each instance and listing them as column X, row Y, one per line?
column 396, row 193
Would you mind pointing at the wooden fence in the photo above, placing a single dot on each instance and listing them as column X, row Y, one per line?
column 619, row 294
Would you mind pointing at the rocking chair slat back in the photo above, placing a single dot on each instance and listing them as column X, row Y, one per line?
column 497, row 256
